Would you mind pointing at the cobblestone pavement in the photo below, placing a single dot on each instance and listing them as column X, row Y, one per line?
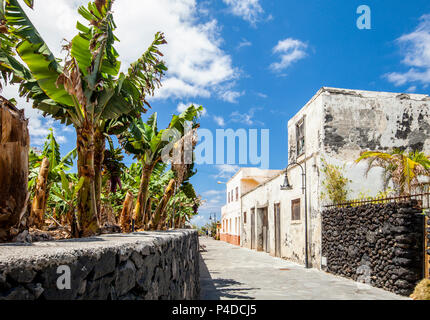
column 229, row 272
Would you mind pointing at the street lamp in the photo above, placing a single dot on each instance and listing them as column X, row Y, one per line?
column 287, row 186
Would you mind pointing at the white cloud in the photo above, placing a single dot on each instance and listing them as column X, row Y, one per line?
column 412, row 89
column 416, row 50
column 210, row 193
column 244, row 43
column 177, row 88
column 248, row 10
column 193, row 54
column 219, row 120
column 226, row 171
column 231, row 96
column 262, row 95
column 199, row 220
column 38, row 126
column 56, row 20
column 184, row 106
column 290, row 50
column 246, row 118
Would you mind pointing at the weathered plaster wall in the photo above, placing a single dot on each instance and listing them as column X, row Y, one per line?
column 339, row 125
column 360, row 120
column 270, row 193
column 355, row 121
column 139, row 266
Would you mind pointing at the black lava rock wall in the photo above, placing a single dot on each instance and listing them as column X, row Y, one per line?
column 138, row 266
column 428, row 243
column 378, row 244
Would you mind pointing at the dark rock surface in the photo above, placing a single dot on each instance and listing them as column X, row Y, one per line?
column 379, row 244
column 139, row 266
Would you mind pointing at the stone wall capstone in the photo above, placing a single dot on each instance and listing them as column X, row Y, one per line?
column 138, row 266
column 377, row 244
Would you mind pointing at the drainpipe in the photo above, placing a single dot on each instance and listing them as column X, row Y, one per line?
column 306, row 221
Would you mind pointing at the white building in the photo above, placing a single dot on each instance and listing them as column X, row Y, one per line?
column 335, row 125
column 242, row 182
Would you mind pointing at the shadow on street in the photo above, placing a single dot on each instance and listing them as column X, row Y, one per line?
column 217, row 289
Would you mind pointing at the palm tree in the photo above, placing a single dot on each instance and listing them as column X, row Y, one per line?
column 403, row 169
column 88, row 91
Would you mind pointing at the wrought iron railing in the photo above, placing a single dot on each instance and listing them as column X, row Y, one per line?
column 423, row 201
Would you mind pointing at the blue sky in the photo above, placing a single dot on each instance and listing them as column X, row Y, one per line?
column 255, row 63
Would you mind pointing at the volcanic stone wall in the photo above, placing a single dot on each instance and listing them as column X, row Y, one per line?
column 139, row 266
column 427, row 256
column 377, row 244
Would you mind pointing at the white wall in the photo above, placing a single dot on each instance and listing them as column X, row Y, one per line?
column 339, row 125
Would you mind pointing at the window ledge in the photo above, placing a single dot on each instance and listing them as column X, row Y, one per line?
column 296, row 222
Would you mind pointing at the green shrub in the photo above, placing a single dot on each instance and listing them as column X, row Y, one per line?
column 335, row 185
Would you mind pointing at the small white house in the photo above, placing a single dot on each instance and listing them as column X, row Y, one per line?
column 242, row 182
column 335, row 125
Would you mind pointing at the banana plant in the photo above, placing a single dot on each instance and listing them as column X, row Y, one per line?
column 11, row 70
column 70, row 187
column 88, row 90
column 45, row 171
column 183, row 171
column 184, row 203
column 146, row 142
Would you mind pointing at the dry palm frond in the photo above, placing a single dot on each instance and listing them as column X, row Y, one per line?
column 402, row 169
column 183, row 154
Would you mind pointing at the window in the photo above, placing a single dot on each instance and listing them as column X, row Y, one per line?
column 295, row 210
column 244, row 218
column 237, row 193
column 300, row 138
column 229, row 197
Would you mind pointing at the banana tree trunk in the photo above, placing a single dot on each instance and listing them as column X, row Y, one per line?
column 162, row 222
column 166, row 219
column 38, row 207
column 14, row 147
column 169, row 192
column 126, row 213
column 177, row 221
column 183, row 221
column 142, row 196
column 87, row 206
column 99, row 153
column 148, row 211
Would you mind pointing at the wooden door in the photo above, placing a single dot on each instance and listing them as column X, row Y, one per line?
column 253, row 240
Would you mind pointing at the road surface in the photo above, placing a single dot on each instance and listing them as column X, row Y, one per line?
column 229, row 272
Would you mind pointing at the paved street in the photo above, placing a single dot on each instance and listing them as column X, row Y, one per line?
column 230, row 272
